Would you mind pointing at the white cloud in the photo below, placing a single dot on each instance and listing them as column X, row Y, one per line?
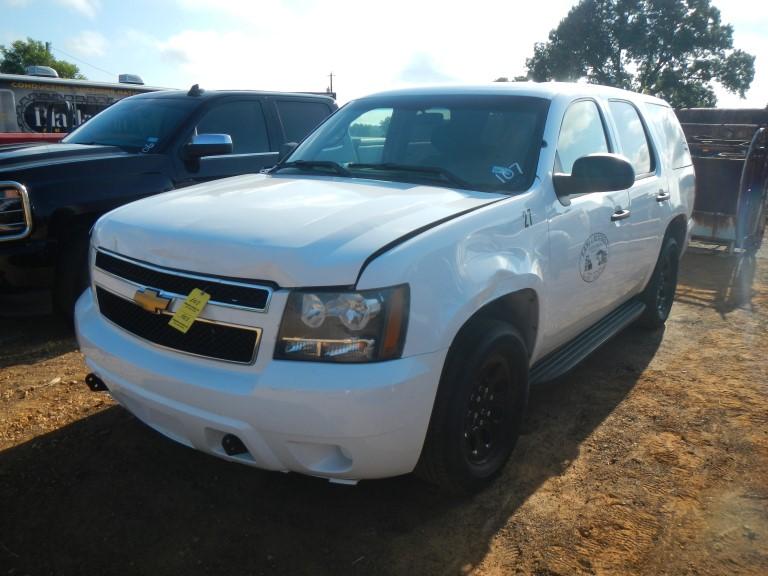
column 88, row 43
column 369, row 46
column 422, row 68
column 9, row 37
column 88, row 8
column 749, row 19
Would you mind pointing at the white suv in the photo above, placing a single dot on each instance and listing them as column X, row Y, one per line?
column 381, row 301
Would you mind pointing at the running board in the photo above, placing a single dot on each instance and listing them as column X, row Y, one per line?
column 568, row 356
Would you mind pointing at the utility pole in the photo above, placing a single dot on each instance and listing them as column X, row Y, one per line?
column 330, row 89
column 48, row 47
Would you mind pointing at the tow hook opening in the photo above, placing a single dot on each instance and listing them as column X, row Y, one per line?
column 95, row 383
column 232, row 445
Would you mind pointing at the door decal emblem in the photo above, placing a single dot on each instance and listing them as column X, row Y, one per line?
column 594, row 257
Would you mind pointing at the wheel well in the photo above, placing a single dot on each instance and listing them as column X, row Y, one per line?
column 520, row 309
column 66, row 226
column 678, row 230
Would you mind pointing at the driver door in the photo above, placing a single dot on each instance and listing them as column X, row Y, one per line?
column 587, row 235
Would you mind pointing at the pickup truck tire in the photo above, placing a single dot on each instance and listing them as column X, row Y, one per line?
column 480, row 402
column 71, row 275
column 659, row 295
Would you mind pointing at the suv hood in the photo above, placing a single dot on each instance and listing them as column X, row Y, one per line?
column 301, row 231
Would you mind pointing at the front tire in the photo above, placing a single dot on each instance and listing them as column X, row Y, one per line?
column 480, row 402
column 659, row 295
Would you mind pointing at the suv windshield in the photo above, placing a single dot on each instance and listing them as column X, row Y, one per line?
column 137, row 125
column 479, row 142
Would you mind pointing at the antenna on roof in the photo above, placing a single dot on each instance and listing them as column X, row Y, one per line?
column 195, row 90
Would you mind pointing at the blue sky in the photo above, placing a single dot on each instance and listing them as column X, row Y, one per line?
column 294, row 44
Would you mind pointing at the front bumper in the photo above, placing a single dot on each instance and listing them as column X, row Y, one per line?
column 342, row 421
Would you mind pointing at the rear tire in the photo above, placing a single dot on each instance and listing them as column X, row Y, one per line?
column 479, row 406
column 659, row 295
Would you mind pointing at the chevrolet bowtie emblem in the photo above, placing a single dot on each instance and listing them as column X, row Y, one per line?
column 151, row 300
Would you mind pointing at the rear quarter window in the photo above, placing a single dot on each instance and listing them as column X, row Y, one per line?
column 300, row 118
column 670, row 133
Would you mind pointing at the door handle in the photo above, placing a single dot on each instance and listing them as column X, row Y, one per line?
column 662, row 196
column 620, row 215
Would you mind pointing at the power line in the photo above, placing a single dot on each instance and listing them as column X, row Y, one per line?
column 68, row 55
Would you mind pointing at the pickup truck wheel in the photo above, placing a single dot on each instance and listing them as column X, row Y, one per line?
column 71, row 275
column 480, row 402
column 659, row 295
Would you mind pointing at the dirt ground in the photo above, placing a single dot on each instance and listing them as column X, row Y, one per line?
column 651, row 458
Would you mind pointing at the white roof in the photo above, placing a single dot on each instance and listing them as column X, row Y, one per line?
column 548, row 90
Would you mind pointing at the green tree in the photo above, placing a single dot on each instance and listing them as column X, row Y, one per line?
column 29, row 52
column 675, row 49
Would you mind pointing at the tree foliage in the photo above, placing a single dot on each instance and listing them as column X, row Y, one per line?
column 674, row 49
column 29, row 52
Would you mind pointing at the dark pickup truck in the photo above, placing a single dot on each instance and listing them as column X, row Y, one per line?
column 50, row 195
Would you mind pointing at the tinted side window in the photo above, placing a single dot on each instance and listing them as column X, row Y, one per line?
column 368, row 134
column 581, row 134
column 671, row 133
column 243, row 121
column 632, row 136
column 300, row 118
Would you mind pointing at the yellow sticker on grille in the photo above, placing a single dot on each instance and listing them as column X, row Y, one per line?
column 190, row 309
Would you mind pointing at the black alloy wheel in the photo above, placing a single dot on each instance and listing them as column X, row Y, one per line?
column 480, row 403
column 665, row 292
column 659, row 295
column 487, row 411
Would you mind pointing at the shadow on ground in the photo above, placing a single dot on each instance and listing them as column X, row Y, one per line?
column 106, row 495
column 33, row 339
column 716, row 279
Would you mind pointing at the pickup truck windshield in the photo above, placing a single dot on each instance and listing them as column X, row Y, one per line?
column 479, row 142
column 137, row 125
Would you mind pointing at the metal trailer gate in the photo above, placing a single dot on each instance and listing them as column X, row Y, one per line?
column 730, row 155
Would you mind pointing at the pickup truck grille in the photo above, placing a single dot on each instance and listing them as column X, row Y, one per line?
column 206, row 339
column 15, row 217
column 222, row 291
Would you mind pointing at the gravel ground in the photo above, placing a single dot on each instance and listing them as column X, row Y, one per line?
column 650, row 458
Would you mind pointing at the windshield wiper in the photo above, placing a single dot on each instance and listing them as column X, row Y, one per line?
column 310, row 164
column 431, row 170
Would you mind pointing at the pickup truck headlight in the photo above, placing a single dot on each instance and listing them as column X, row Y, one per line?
column 360, row 326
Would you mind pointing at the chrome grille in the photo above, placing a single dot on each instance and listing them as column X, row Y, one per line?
column 224, row 291
column 117, row 279
column 206, row 339
column 15, row 217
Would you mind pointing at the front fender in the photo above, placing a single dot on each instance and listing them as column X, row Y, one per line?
column 457, row 268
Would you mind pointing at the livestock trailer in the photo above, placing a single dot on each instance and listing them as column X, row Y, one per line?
column 729, row 148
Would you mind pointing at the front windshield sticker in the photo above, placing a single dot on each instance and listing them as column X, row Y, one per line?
column 506, row 174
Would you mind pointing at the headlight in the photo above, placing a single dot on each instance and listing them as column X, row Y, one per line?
column 362, row 326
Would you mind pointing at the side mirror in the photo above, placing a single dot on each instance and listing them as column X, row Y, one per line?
column 286, row 149
column 208, row 145
column 595, row 173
